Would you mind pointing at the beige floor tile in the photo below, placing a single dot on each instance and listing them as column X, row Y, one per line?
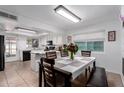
column 3, row 79
column 18, row 85
column 33, row 84
column 3, row 85
column 14, row 78
column 114, row 80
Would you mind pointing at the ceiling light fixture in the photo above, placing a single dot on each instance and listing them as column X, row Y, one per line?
column 42, row 34
column 19, row 33
column 26, row 30
column 67, row 13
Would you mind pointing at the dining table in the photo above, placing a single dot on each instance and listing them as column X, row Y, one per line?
column 71, row 69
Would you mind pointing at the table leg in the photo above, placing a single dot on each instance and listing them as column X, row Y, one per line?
column 40, row 75
column 86, row 74
column 94, row 64
column 89, row 69
column 68, row 81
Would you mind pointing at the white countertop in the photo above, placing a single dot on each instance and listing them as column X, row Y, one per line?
column 41, row 51
column 37, row 51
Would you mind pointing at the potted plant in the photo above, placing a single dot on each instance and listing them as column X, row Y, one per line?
column 72, row 48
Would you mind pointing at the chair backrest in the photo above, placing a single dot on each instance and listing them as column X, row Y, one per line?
column 51, row 55
column 86, row 53
column 48, row 72
column 64, row 53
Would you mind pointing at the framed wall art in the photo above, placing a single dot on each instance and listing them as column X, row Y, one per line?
column 111, row 35
column 69, row 39
column 35, row 43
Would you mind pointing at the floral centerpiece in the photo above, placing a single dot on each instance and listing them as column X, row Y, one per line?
column 72, row 48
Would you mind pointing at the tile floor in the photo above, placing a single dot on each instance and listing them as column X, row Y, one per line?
column 19, row 74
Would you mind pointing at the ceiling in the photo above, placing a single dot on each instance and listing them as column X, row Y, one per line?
column 44, row 16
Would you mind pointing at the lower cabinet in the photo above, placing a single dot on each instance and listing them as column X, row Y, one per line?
column 26, row 55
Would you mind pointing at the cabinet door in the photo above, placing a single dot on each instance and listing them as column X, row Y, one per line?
column 26, row 55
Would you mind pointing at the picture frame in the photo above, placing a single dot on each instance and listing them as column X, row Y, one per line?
column 111, row 35
column 69, row 39
column 35, row 43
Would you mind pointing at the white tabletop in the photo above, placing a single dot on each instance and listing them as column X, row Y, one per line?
column 75, row 66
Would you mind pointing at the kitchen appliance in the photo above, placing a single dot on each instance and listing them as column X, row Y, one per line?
column 50, row 45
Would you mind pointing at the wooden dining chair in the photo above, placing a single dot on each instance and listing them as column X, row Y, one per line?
column 64, row 53
column 51, row 55
column 86, row 53
column 51, row 79
column 88, row 69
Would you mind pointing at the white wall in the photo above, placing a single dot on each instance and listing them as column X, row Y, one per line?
column 122, row 35
column 58, row 38
column 21, row 45
column 98, row 35
column 111, row 58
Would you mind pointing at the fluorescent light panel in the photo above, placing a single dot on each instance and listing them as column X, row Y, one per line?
column 26, row 30
column 43, row 34
column 67, row 14
column 20, row 33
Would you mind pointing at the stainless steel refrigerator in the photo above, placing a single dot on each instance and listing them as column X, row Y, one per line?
column 2, row 53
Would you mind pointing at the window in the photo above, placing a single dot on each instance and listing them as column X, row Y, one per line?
column 97, row 46
column 82, row 45
column 10, row 46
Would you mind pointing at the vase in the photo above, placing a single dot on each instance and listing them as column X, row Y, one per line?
column 71, row 55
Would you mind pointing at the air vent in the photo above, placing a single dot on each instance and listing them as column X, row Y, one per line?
column 3, row 14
